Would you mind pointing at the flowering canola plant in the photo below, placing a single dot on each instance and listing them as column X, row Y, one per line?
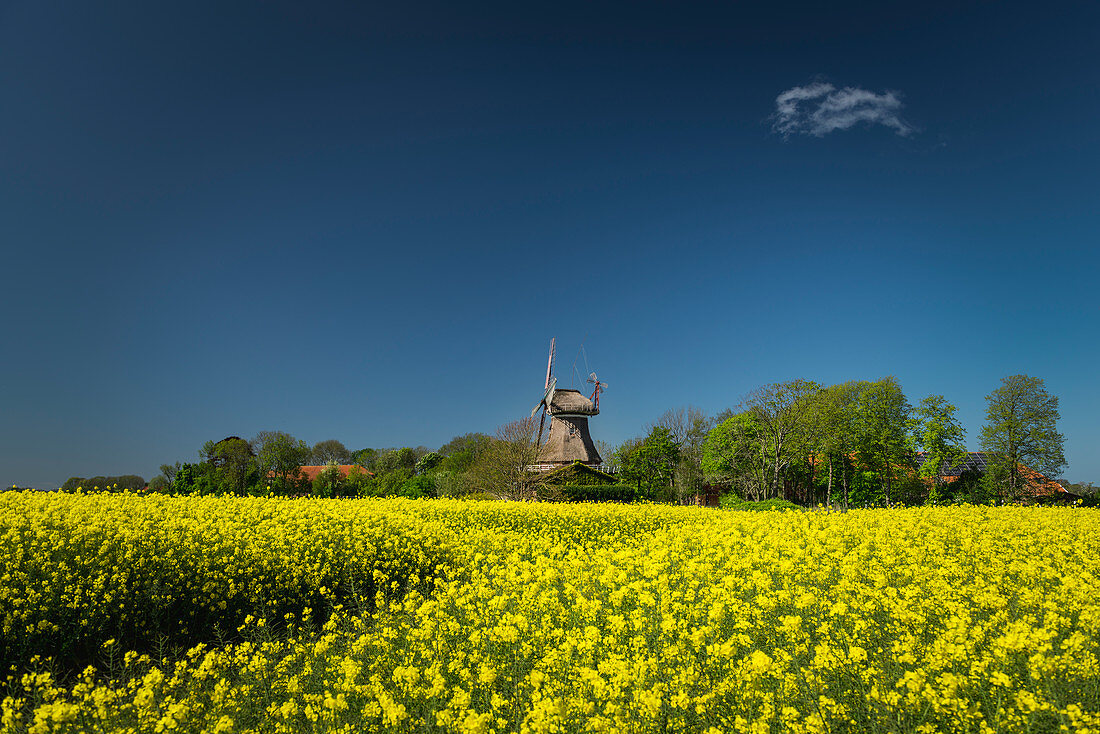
column 445, row 616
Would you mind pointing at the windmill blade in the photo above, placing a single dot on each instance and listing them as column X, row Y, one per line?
column 550, row 363
column 547, row 398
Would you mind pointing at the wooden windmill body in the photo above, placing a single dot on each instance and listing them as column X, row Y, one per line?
column 569, row 440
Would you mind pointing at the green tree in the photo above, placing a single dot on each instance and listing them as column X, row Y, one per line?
column 688, row 427
column 427, row 463
column 169, row 471
column 1021, row 430
column 132, row 482
column 360, row 483
column 389, row 484
column 651, row 463
column 452, row 484
column 732, row 456
column 504, row 466
column 1081, row 489
column 882, row 431
column 389, row 460
column 328, row 451
column 234, row 461
column 461, row 452
column 329, row 481
column 784, row 417
column 196, row 479
column 418, row 486
column 406, row 458
column 941, row 437
column 613, row 455
column 835, row 435
column 365, row 458
column 281, row 456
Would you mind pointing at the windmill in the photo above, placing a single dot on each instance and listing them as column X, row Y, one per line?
column 569, row 440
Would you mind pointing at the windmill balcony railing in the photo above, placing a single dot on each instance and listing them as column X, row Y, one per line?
column 606, row 468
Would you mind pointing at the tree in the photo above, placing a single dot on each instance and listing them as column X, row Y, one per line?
column 406, row 458
column 834, row 440
column 620, row 456
column 281, row 455
column 390, row 460
column 330, row 450
column 196, row 479
column 504, row 466
column 329, row 481
column 1021, row 430
column 783, row 413
column 732, row 456
column 234, row 461
column 688, row 427
column 427, row 463
column 607, row 453
column 365, row 457
column 940, row 436
column 169, row 471
column 383, row 462
column 452, row 484
column 1080, row 489
column 652, row 463
column 359, row 483
column 461, row 452
column 882, row 430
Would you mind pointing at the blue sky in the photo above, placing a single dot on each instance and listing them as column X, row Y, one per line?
column 365, row 221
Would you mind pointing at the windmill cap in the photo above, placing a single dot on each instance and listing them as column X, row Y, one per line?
column 571, row 401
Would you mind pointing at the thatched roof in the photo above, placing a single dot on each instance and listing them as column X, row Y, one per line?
column 571, row 401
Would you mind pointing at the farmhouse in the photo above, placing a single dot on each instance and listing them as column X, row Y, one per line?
column 1038, row 486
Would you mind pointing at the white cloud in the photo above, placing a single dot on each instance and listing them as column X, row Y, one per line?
column 820, row 108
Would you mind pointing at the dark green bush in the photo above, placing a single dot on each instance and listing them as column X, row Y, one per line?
column 733, row 502
column 121, row 483
column 598, row 492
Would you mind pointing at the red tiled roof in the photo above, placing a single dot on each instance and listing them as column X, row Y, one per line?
column 1040, row 484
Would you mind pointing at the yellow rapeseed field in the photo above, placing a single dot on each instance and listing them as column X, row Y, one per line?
column 276, row 615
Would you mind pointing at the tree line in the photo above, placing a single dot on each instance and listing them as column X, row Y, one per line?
column 855, row 443
column 270, row 463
